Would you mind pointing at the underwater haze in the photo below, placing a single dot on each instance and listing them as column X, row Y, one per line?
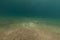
column 30, row 8
column 29, row 19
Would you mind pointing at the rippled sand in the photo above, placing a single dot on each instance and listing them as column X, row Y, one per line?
column 29, row 31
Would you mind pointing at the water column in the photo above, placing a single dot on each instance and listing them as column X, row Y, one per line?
column 28, row 6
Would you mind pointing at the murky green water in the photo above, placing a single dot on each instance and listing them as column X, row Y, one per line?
column 46, row 12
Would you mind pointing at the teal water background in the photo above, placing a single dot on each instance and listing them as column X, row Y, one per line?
column 30, row 8
column 47, row 10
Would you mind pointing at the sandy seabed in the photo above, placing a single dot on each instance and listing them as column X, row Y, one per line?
column 28, row 31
